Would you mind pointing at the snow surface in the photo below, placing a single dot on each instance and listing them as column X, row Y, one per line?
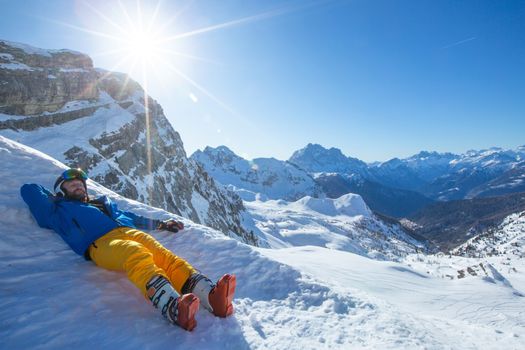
column 349, row 204
column 344, row 223
column 14, row 65
column 4, row 117
column 35, row 50
column 291, row 298
column 73, row 70
column 106, row 119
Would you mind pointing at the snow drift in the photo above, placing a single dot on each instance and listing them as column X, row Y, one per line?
column 349, row 204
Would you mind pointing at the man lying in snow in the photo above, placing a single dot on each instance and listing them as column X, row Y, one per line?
column 98, row 230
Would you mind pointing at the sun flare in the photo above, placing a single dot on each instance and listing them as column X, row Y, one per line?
column 141, row 46
column 149, row 46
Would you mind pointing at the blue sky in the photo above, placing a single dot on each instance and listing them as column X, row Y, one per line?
column 377, row 79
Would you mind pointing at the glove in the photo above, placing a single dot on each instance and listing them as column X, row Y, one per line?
column 170, row 225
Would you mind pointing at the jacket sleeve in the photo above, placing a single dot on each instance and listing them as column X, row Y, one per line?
column 40, row 201
column 140, row 221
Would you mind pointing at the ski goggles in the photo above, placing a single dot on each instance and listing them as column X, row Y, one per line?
column 70, row 174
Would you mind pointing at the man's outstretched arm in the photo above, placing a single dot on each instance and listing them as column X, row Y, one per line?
column 40, row 202
column 153, row 224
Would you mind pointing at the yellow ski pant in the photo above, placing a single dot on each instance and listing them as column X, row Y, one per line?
column 141, row 256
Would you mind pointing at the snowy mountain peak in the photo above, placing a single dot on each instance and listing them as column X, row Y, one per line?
column 315, row 158
column 220, row 156
column 25, row 58
column 316, row 149
column 495, row 157
column 431, row 157
column 392, row 163
column 426, row 154
column 349, row 204
column 219, row 150
column 274, row 178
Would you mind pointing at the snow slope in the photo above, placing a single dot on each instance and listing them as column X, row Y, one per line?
column 77, row 132
column 292, row 298
column 345, row 223
column 507, row 240
column 37, row 51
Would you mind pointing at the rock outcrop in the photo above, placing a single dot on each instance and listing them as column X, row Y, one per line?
column 36, row 81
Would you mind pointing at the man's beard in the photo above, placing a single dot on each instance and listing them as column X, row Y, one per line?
column 78, row 196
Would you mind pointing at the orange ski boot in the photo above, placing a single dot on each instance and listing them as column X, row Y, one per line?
column 179, row 310
column 216, row 298
column 187, row 306
column 221, row 296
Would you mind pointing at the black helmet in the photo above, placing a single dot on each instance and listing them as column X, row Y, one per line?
column 67, row 175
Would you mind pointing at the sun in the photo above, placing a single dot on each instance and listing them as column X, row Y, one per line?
column 149, row 46
column 142, row 40
column 136, row 36
column 142, row 46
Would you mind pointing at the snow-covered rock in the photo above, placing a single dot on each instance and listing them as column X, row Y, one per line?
column 507, row 240
column 349, row 204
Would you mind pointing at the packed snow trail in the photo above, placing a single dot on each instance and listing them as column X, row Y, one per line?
column 293, row 298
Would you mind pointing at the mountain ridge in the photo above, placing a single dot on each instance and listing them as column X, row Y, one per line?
column 274, row 178
column 432, row 174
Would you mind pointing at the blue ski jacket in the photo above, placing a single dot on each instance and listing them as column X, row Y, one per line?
column 78, row 223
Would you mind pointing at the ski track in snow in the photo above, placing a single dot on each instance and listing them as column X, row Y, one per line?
column 290, row 298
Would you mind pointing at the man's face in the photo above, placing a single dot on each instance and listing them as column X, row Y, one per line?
column 75, row 189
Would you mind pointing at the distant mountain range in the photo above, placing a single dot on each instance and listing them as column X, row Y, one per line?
column 446, row 198
column 439, row 176
column 398, row 187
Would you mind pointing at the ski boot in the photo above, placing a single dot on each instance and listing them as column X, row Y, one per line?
column 216, row 298
column 179, row 310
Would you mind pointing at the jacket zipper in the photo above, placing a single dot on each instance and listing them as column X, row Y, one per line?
column 78, row 225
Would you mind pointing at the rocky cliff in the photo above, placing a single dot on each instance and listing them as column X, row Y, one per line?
column 55, row 101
